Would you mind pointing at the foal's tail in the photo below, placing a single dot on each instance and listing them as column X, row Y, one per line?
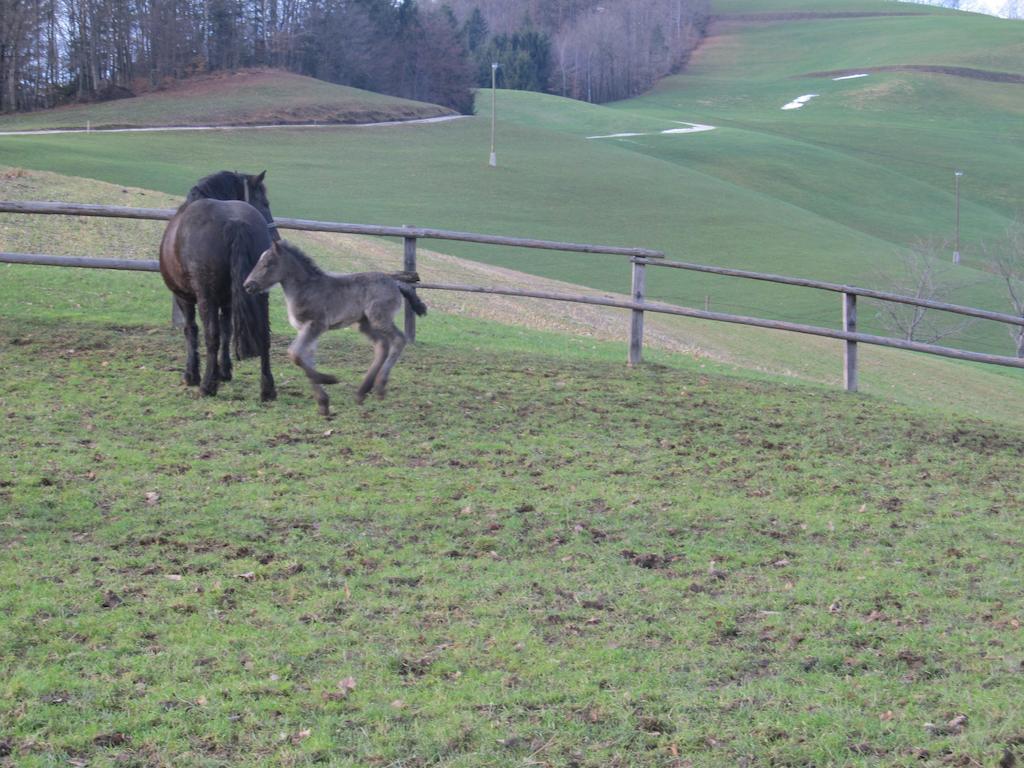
column 250, row 315
column 414, row 301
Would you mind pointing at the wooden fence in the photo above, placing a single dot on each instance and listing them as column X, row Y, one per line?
column 637, row 305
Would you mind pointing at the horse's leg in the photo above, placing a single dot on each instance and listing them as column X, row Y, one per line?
column 211, row 333
column 397, row 344
column 188, row 311
column 380, row 353
column 301, row 352
column 224, row 372
column 267, row 389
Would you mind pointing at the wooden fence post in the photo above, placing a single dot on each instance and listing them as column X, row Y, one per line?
column 850, row 350
column 409, row 265
column 636, row 326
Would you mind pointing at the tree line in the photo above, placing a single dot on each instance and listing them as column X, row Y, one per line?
column 56, row 51
column 594, row 50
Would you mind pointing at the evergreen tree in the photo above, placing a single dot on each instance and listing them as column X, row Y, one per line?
column 524, row 61
column 475, row 30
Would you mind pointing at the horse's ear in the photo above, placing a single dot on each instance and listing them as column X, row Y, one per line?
column 259, row 179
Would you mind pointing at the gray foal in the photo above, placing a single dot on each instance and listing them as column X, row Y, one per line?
column 319, row 301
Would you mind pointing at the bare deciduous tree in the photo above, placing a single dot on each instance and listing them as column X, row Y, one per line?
column 621, row 47
column 1008, row 257
column 60, row 50
column 600, row 50
column 920, row 274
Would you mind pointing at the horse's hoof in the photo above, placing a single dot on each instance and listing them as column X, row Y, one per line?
column 224, row 375
column 190, row 380
column 208, row 390
column 268, row 395
column 325, row 411
column 360, row 397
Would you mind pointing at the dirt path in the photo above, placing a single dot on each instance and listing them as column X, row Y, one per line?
column 809, row 15
column 48, row 131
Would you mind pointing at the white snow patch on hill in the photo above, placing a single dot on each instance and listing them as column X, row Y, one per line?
column 799, row 101
column 690, row 128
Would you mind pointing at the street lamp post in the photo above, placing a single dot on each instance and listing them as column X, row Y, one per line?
column 494, row 85
column 956, row 194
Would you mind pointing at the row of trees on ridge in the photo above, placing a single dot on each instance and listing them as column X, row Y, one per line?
column 595, row 50
column 55, row 51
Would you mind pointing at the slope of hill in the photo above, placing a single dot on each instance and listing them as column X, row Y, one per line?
column 895, row 120
column 835, row 190
column 246, row 97
column 528, row 553
column 926, row 383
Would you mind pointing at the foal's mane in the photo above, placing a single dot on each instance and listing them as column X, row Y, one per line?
column 301, row 258
column 223, row 185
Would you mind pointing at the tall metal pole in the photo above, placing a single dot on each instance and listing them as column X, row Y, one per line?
column 956, row 194
column 494, row 86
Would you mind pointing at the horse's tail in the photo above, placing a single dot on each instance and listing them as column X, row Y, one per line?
column 410, row 295
column 250, row 315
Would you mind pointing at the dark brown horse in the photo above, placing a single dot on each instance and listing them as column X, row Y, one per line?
column 208, row 248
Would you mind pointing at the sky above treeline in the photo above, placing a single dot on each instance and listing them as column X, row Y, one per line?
column 1000, row 8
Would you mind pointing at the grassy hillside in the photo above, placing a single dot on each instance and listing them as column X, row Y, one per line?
column 548, row 185
column 527, row 554
column 248, row 97
column 873, row 130
column 835, row 190
column 940, row 385
column 934, row 384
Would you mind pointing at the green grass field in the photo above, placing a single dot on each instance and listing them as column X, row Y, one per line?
column 836, row 190
column 528, row 555
column 937, row 384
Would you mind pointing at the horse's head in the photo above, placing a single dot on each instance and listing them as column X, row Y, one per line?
column 255, row 194
column 231, row 185
column 267, row 273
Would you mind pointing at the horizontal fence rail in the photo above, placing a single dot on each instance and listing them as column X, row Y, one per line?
column 757, row 322
column 84, row 209
column 637, row 304
column 870, row 293
column 164, row 214
column 43, row 260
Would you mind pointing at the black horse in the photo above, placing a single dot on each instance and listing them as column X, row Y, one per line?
column 209, row 247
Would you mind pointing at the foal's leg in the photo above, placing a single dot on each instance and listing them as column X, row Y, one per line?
column 301, row 352
column 188, row 312
column 211, row 332
column 380, row 353
column 224, row 371
column 397, row 344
